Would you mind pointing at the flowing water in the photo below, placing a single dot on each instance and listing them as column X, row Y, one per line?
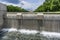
column 50, row 35
column 24, row 34
column 19, row 34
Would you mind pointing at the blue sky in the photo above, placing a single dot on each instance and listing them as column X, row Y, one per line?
column 26, row 4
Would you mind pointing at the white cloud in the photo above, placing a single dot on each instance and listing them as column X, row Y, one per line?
column 24, row 4
column 7, row 3
column 27, row 5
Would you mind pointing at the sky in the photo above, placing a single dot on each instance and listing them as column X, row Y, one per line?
column 30, row 5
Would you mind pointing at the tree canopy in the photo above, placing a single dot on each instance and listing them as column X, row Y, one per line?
column 11, row 8
column 49, row 5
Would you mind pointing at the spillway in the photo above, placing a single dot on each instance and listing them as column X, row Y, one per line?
column 38, row 21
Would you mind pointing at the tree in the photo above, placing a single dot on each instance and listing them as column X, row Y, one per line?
column 11, row 8
column 49, row 5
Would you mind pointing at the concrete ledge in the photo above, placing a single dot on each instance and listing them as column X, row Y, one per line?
column 29, row 16
column 24, row 16
column 11, row 16
column 52, row 17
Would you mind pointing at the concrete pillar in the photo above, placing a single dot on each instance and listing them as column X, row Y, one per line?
column 2, row 12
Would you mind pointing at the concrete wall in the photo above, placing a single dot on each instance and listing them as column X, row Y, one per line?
column 52, row 22
column 23, row 21
column 41, row 22
column 2, row 12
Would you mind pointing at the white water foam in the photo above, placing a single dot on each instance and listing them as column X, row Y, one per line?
column 28, row 31
column 9, row 29
column 23, row 31
column 50, row 34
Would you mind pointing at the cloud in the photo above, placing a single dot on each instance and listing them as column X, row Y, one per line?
column 9, row 3
column 26, row 5
column 12, row 1
column 23, row 3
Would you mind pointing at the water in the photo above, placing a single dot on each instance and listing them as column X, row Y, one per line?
column 25, row 31
column 50, row 35
column 25, row 34
column 19, row 34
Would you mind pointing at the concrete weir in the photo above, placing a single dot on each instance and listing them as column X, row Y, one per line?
column 38, row 21
column 23, row 21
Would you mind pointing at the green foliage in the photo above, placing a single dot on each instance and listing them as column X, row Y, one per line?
column 11, row 8
column 49, row 5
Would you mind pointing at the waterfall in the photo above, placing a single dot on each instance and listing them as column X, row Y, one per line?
column 26, row 28
column 48, row 35
column 26, row 31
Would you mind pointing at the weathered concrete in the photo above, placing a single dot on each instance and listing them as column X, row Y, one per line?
column 52, row 22
column 23, row 21
column 46, row 22
column 2, row 12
